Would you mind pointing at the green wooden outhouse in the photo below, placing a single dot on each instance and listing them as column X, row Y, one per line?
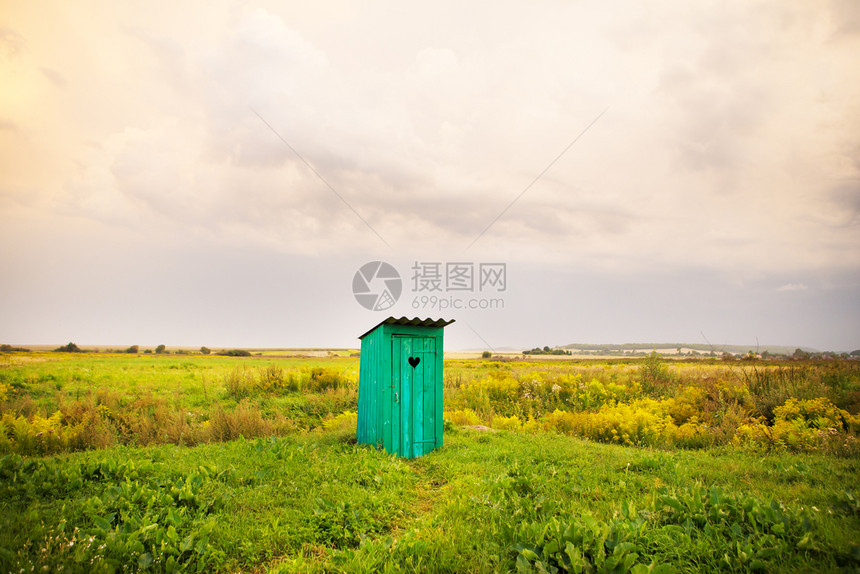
column 400, row 386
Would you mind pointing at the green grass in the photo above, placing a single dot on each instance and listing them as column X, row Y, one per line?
column 317, row 502
column 212, row 463
column 106, row 400
column 185, row 380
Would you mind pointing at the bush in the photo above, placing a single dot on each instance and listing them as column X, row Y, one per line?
column 804, row 425
column 498, row 393
column 240, row 382
column 640, row 423
column 345, row 421
column 536, row 393
column 37, row 435
column 132, row 350
column 235, row 353
column 507, row 423
column 70, row 348
column 245, row 420
column 271, row 378
column 322, row 379
column 771, row 387
column 463, row 417
column 10, row 349
column 654, row 375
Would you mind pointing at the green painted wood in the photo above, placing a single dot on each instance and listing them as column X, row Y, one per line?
column 438, row 386
column 364, row 391
column 371, row 420
column 428, row 414
column 407, row 428
column 400, row 406
column 368, row 429
column 418, row 346
column 396, row 397
column 386, row 396
column 419, row 393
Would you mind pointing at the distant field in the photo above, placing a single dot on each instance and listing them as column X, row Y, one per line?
column 144, row 349
column 213, row 463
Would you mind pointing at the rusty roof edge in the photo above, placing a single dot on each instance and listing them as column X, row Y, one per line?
column 415, row 322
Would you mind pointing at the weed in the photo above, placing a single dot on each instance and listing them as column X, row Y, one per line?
column 245, row 421
column 654, row 375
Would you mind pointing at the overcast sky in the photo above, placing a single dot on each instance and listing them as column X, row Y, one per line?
column 149, row 193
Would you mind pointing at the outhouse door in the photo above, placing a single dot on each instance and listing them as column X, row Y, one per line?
column 413, row 409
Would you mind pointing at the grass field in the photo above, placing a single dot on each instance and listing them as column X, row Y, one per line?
column 207, row 463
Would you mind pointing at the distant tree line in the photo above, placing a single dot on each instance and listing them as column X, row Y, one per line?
column 132, row 350
column 546, row 351
column 797, row 355
column 11, row 349
column 235, row 353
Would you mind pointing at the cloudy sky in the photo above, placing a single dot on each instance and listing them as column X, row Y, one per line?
column 215, row 173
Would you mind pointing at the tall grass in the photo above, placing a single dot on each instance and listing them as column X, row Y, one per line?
column 105, row 401
column 61, row 409
column 667, row 405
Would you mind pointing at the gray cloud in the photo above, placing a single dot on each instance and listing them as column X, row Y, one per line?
column 845, row 19
column 846, row 196
column 54, row 77
column 11, row 42
column 728, row 154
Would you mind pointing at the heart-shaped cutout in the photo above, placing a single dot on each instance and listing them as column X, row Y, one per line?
column 414, row 361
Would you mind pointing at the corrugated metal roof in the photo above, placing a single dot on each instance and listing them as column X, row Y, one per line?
column 415, row 321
